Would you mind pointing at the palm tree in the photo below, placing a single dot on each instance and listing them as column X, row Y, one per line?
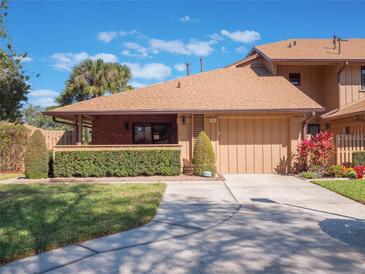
column 94, row 78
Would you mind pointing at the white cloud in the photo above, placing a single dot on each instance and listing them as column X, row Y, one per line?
column 106, row 36
column 215, row 37
column 180, row 67
column 134, row 50
column 151, row 71
column 224, row 50
column 247, row 36
column 43, row 93
column 136, row 84
column 42, row 97
column 66, row 61
column 194, row 47
column 107, row 57
column 241, row 49
column 25, row 59
column 188, row 19
column 126, row 33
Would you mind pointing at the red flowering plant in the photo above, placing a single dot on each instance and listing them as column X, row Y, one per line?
column 360, row 169
column 317, row 152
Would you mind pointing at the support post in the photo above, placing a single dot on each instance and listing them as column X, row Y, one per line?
column 79, row 130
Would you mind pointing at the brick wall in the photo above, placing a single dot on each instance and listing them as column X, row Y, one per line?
column 111, row 129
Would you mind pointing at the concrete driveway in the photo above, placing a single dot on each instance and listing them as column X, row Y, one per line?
column 249, row 224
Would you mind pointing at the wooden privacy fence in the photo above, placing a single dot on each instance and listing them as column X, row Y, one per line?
column 56, row 137
column 346, row 145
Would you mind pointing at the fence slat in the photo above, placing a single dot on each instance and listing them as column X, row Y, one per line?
column 348, row 144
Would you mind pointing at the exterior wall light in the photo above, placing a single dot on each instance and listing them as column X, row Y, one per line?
column 183, row 120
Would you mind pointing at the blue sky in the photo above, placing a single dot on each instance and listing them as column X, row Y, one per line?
column 156, row 38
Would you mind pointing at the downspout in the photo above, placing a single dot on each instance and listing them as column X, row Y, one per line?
column 305, row 124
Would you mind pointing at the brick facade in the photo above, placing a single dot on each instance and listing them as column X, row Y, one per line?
column 118, row 129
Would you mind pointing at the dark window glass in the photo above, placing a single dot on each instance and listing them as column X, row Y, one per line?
column 363, row 78
column 347, row 130
column 294, row 78
column 313, row 129
column 152, row 134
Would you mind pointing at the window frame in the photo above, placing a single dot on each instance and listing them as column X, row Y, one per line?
column 313, row 125
column 153, row 142
column 300, row 78
column 362, row 81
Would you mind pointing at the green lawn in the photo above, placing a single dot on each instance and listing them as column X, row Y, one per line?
column 4, row 176
column 353, row 189
column 39, row 217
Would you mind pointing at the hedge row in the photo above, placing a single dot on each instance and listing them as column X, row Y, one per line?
column 13, row 140
column 116, row 163
column 358, row 158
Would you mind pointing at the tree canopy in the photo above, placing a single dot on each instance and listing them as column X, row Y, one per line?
column 94, row 78
column 13, row 79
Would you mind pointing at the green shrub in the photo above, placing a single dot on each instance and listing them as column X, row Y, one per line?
column 358, row 158
column 116, row 163
column 336, row 171
column 308, row 175
column 13, row 140
column 203, row 156
column 36, row 157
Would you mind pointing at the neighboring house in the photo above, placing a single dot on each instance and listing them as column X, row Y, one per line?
column 254, row 110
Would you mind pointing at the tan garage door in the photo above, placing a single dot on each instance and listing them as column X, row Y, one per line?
column 253, row 145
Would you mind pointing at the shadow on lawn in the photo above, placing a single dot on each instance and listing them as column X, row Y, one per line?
column 34, row 220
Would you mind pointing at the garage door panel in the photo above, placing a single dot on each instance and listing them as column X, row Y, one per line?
column 253, row 145
column 241, row 146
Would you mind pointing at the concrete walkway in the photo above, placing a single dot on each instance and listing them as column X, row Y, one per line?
column 280, row 225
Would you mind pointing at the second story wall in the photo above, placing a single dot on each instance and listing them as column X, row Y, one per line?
column 317, row 81
column 350, row 85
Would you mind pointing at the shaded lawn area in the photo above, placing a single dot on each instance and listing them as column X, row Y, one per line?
column 4, row 176
column 39, row 217
column 353, row 189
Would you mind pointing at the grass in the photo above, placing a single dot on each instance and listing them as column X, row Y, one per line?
column 38, row 217
column 4, row 176
column 353, row 189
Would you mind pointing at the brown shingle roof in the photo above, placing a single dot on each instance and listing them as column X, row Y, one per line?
column 226, row 89
column 314, row 49
column 349, row 110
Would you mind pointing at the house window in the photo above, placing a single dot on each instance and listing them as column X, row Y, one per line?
column 313, row 129
column 363, row 78
column 346, row 130
column 152, row 134
column 294, row 78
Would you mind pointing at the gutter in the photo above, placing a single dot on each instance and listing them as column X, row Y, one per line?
column 305, row 124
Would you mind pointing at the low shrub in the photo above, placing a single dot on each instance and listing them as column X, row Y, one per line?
column 358, row 158
column 336, row 171
column 360, row 169
column 317, row 152
column 120, row 163
column 13, row 140
column 203, row 155
column 308, row 175
column 36, row 157
column 341, row 171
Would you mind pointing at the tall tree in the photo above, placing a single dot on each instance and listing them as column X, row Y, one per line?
column 32, row 115
column 94, row 78
column 13, row 80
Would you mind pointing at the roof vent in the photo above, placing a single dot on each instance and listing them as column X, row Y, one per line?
column 178, row 84
column 292, row 44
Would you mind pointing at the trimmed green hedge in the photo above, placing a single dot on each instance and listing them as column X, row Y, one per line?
column 203, row 155
column 36, row 157
column 116, row 163
column 358, row 158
